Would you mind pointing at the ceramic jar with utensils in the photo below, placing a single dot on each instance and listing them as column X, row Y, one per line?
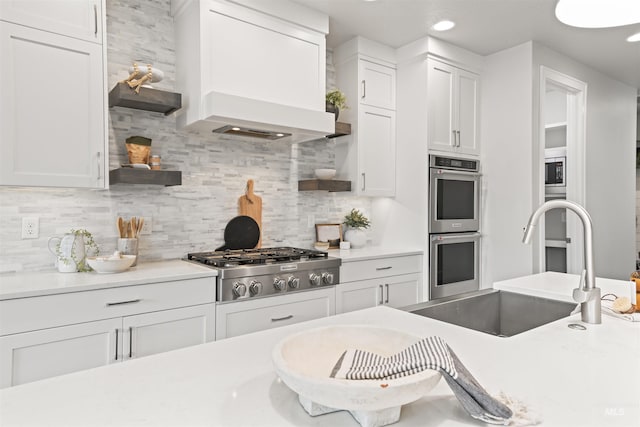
column 129, row 232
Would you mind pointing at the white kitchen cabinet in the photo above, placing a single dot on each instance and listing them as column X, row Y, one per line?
column 394, row 291
column 452, row 109
column 52, row 109
column 366, row 73
column 80, row 19
column 50, row 335
column 393, row 281
column 243, row 317
column 36, row 355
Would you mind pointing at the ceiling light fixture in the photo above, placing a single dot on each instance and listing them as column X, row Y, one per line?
column 598, row 13
column 634, row 38
column 443, row 25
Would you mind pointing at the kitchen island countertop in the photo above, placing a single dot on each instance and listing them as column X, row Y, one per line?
column 568, row 377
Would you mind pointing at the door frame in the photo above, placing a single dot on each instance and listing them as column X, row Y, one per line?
column 576, row 91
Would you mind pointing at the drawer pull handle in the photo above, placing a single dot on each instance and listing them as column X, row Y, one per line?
column 132, row 301
column 130, row 342
column 383, row 268
column 278, row 319
column 116, row 344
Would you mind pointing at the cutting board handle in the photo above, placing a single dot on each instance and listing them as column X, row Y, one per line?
column 249, row 191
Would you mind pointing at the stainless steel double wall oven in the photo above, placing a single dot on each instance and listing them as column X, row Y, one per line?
column 454, row 224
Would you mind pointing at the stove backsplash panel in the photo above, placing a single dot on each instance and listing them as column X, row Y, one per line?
column 185, row 218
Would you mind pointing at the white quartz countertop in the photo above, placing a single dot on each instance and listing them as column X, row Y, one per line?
column 21, row 285
column 568, row 377
column 371, row 252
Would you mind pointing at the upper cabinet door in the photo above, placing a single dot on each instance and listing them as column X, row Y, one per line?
column 52, row 110
column 377, row 85
column 377, row 152
column 467, row 100
column 440, row 109
column 81, row 19
column 452, row 109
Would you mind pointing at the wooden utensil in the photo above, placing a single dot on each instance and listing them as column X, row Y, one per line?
column 120, row 224
column 250, row 205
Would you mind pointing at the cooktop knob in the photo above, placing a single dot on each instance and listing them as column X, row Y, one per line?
column 314, row 279
column 239, row 289
column 255, row 287
column 278, row 283
column 327, row 278
column 294, row 282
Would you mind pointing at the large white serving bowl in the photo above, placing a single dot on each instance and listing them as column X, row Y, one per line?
column 304, row 362
column 104, row 264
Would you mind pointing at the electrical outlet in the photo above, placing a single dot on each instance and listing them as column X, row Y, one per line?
column 147, row 226
column 30, row 227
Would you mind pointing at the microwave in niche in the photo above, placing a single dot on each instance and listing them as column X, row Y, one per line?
column 555, row 170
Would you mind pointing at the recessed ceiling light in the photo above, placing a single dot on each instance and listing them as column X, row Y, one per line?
column 443, row 25
column 598, row 13
column 634, row 38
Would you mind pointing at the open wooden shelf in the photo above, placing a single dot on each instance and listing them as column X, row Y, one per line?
column 331, row 185
column 341, row 130
column 148, row 99
column 145, row 176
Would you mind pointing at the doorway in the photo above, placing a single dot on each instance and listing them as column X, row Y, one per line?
column 562, row 142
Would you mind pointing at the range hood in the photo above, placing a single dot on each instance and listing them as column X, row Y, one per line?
column 248, row 118
column 252, row 69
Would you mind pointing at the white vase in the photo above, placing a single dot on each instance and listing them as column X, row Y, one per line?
column 355, row 236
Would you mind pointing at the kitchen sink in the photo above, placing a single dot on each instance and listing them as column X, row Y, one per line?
column 494, row 312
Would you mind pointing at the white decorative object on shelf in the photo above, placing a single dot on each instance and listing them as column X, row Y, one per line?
column 325, row 173
column 142, row 75
column 304, row 362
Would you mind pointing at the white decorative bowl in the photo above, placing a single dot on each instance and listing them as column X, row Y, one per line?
column 304, row 362
column 325, row 173
column 107, row 264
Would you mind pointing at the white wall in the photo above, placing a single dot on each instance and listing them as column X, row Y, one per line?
column 610, row 161
column 506, row 134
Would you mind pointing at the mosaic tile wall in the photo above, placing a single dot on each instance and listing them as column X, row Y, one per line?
column 185, row 218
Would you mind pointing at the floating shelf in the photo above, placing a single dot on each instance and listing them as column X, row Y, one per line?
column 148, row 99
column 341, row 130
column 324, row 185
column 145, row 176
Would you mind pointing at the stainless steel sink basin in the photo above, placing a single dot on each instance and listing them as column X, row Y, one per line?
column 494, row 312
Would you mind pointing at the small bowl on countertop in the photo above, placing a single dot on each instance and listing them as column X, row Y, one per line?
column 325, row 174
column 110, row 264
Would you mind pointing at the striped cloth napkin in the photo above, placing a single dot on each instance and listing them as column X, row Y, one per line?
column 428, row 353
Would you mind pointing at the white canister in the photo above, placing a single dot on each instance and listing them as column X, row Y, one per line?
column 355, row 236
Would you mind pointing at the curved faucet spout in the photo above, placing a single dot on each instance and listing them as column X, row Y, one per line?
column 587, row 293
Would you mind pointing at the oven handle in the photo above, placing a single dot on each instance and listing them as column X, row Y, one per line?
column 454, row 236
column 438, row 171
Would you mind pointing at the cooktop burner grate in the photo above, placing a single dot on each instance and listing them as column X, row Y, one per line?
column 232, row 258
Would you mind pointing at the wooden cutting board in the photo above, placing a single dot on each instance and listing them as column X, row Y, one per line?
column 250, row 204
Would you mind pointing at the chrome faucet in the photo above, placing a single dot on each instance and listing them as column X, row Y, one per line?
column 587, row 294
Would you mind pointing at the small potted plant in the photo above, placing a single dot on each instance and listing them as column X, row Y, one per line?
column 355, row 223
column 335, row 100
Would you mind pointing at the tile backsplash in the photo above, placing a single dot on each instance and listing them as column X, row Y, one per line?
column 185, row 218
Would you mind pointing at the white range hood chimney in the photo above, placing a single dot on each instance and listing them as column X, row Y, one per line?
column 252, row 68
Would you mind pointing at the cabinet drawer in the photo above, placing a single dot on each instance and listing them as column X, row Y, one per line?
column 244, row 317
column 382, row 267
column 28, row 314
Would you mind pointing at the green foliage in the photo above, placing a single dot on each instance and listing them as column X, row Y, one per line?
column 337, row 98
column 90, row 246
column 355, row 219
